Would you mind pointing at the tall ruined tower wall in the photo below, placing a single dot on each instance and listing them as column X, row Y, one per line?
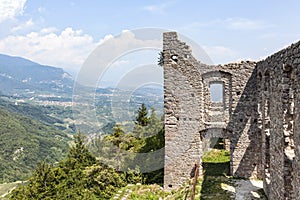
column 191, row 117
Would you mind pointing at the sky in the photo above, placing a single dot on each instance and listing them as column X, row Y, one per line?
column 64, row 33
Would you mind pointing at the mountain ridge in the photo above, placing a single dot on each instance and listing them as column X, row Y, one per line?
column 19, row 74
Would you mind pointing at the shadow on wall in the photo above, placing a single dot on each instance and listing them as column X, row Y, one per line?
column 245, row 142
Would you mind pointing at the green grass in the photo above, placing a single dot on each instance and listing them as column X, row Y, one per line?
column 210, row 186
column 155, row 192
column 140, row 192
column 216, row 166
column 216, row 156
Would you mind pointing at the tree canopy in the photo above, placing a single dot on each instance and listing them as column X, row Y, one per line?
column 83, row 174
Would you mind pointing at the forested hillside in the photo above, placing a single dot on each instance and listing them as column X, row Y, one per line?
column 79, row 176
column 24, row 142
column 85, row 174
column 50, row 115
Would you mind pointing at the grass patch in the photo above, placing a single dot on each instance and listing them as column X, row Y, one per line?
column 216, row 156
column 216, row 165
column 214, row 184
column 140, row 192
column 209, row 186
column 156, row 192
column 212, row 188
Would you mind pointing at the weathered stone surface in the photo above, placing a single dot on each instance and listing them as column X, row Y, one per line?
column 279, row 83
column 257, row 116
column 187, row 92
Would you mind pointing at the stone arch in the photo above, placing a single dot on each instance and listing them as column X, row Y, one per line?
column 207, row 135
column 216, row 132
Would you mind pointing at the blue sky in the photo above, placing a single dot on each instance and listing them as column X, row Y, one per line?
column 64, row 33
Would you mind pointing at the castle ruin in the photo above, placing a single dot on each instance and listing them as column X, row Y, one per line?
column 257, row 116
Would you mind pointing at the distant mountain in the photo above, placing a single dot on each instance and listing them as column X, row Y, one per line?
column 24, row 142
column 19, row 75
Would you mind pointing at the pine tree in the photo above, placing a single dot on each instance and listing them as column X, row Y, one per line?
column 142, row 118
column 117, row 135
column 66, row 181
column 79, row 155
column 116, row 138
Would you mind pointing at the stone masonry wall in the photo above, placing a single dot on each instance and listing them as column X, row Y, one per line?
column 296, row 163
column 189, row 112
column 258, row 116
column 279, row 113
column 182, row 115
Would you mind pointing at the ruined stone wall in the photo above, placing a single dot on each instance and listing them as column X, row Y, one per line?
column 296, row 163
column 182, row 113
column 278, row 77
column 259, row 116
column 189, row 112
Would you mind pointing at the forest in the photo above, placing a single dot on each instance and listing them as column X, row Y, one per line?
column 24, row 142
column 84, row 174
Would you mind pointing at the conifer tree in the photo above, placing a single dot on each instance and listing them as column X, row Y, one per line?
column 142, row 118
column 79, row 155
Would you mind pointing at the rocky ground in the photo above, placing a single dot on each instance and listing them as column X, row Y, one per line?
column 245, row 189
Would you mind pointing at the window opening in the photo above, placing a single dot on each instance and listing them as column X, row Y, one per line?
column 216, row 92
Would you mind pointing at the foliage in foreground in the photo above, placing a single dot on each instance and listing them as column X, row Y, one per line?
column 79, row 176
column 120, row 148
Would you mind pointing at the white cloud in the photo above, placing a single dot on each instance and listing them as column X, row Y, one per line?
column 154, row 8
column 23, row 26
column 106, row 38
column 219, row 49
column 220, row 54
column 48, row 30
column 68, row 48
column 272, row 36
column 231, row 24
column 41, row 10
column 11, row 8
column 245, row 24
column 158, row 8
column 105, row 56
